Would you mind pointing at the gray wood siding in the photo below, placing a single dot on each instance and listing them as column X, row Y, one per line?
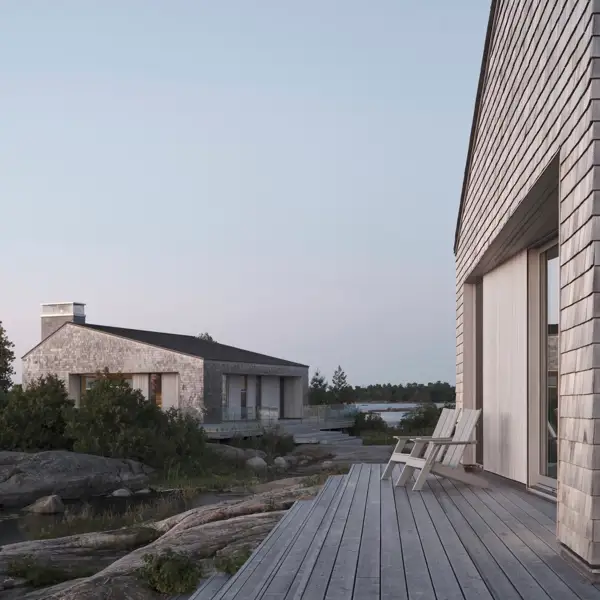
column 541, row 99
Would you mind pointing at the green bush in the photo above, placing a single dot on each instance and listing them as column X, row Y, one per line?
column 367, row 422
column 232, row 563
column 39, row 575
column 36, row 418
column 115, row 420
column 420, row 421
column 170, row 572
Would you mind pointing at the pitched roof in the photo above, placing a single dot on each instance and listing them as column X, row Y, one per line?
column 189, row 344
column 482, row 75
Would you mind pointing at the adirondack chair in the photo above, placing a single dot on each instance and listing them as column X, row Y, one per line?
column 443, row 429
column 446, row 454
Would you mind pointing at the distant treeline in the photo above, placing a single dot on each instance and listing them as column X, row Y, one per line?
column 339, row 391
column 440, row 391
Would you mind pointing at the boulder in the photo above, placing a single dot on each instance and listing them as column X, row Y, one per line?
column 228, row 452
column 48, row 505
column 25, row 477
column 143, row 492
column 281, row 463
column 122, row 493
column 327, row 464
column 251, row 453
column 257, row 463
column 292, row 460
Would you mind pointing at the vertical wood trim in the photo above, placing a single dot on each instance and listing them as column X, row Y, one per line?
column 505, row 369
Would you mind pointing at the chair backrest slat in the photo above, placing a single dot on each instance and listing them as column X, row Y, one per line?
column 465, row 428
column 444, row 426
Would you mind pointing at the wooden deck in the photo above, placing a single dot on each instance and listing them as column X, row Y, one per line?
column 363, row 539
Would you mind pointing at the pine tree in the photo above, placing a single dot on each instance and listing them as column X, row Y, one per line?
column 340, row 389
column 7, row 357
column 318, row 393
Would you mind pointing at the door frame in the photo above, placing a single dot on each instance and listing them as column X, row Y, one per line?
column 536, row 300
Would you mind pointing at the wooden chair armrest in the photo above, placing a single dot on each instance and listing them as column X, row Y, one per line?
column 430, row 439
column 452, row 443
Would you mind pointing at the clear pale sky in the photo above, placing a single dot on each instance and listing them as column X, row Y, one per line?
column 283, row 175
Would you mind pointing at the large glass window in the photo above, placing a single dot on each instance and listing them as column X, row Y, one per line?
column 550, row 270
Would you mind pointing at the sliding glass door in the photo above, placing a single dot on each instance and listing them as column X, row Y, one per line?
column 543, row 293
column 549, row 271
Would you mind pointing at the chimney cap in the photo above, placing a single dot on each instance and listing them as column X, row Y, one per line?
column 54, row 309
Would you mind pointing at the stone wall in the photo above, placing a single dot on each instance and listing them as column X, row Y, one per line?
column 213, row 382
column 75, row 349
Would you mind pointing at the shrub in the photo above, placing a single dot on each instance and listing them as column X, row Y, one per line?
column 367, row 422
column 39, row 575
column 170, row 572
column 421, row 420
column 232, row 563
column 116, row 421
column 36, row 418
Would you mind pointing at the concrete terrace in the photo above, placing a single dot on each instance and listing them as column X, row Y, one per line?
column 363, row 539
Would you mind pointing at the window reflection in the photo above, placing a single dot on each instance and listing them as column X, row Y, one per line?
column 550, row 314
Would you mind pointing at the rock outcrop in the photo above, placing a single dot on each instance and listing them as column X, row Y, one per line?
column 26, row 477
column 48, row 505
column 201, row 533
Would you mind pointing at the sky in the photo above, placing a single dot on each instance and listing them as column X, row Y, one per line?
column 283, row 175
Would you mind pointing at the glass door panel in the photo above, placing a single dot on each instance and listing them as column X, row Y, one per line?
column 549, row 368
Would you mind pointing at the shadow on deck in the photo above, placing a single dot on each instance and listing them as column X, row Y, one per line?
column 364, row 539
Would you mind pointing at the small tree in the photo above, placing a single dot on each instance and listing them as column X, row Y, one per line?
column 206, row 337
column 339, row 388
column 36, row 418
column 7, row 358
column 318, row 392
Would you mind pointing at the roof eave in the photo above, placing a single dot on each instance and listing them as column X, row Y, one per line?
column 480, row 85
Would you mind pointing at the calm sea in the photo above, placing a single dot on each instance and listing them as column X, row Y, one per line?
column 382, row 409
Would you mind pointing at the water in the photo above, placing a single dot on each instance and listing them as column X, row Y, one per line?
column 391, row 412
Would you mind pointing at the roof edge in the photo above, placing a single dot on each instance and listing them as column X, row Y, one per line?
column 476, row 110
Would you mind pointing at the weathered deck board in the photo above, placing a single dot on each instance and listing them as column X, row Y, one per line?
column 318, row 578
column 393, row 580
column 363, row 539
column 369, row 555
column 341, row 583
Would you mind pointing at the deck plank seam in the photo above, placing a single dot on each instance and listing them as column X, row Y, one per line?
column 361, row 468
column 528, row 573
column 272, row 536
column 328, row 514
column 532, row 511
column 466, row 494
column 362, row 529
column 254, row 563
column 436, row 485
column 262, row 589
column 402, row 490
column 571, row 580
column 435, row 529
column 307, row 573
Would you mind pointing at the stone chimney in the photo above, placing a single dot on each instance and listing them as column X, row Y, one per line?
column 56, row 314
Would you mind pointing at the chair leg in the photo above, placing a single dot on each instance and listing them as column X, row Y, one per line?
column 391, row 464
column 387, row 473
column 405, row 475
column 422, row 477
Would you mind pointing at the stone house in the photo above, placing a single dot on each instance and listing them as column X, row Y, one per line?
column 224, row 384
column 527, row 255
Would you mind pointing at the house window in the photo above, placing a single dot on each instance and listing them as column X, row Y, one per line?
column 155, row 391
column 244, row 398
